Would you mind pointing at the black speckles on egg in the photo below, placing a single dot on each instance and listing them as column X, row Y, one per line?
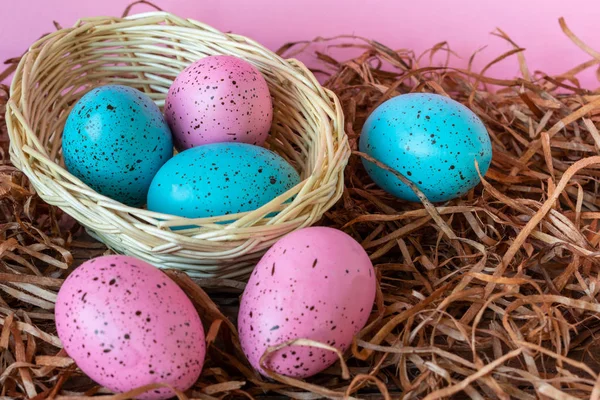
column 421, row 134
column 102, row 145
column 124, row 323
column 220, row 179
column 219, row 99
column 298, row 302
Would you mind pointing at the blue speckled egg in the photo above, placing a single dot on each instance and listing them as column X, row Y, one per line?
column 115, row 140
column 220, row 179
column 432, row 140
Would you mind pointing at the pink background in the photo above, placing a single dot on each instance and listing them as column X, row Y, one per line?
column 415, row 24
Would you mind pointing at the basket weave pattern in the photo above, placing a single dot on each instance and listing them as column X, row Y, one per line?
column 147, row 51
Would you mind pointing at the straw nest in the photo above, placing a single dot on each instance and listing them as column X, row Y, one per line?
column 491, row 296
column 147, row 51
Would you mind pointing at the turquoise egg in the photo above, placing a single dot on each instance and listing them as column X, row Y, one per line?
column 432, row 140
column 220, row 179
column 115, row 140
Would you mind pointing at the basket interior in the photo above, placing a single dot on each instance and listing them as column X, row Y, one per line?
column 148, row 58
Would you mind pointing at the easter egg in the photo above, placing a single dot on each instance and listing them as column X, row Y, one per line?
column 220, row 179
column 219, row 99
column 432, row 140
column 126, row 324
column 115, row 140
column 315, row 283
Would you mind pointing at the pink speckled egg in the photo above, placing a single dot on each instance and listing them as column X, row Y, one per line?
column 126, row 324
column 219, row 99
column 315, row 283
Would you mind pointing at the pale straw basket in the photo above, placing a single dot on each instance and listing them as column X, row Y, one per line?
column 147, row 51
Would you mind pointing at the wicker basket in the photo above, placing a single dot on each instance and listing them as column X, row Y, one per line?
column 147, row 51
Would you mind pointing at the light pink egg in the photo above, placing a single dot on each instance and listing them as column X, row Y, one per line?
column 315, row 283
column 219, row 99
column 126, row 324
